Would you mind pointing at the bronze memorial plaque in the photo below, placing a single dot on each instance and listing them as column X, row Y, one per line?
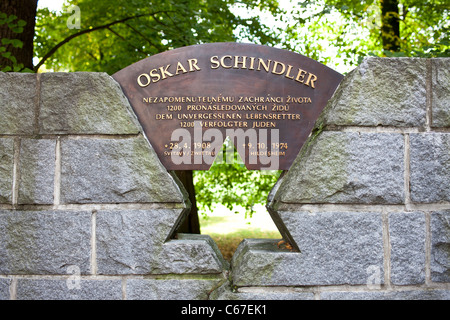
column 189, row 100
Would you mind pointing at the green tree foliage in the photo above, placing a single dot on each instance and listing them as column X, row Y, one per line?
column 231, row 184
column 343, row 31
column 16, row 26
column 17, row 22
column 117, row 33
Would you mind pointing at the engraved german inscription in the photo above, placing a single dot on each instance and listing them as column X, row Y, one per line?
column 189, row 100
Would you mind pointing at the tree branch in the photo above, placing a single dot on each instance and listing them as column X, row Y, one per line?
column 143, row 36
column 105, row 26
column 125, row 40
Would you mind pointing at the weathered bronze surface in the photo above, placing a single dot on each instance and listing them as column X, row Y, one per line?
column 267, row 99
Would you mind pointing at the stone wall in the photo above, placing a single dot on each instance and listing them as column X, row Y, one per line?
column 87, row 211
column 367, row 201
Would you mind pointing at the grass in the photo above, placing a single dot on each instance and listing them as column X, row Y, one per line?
column 229, row 229
column 228, row 243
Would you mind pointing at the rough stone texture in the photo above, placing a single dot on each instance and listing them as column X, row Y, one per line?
column 388, row 295
column 4, row 288
column 430, row 167
column 37, row 171
column 258, row 262
column 440, row 82
column 129, row 242
column 191, row 253
column 336, row 248
column 70, row 289
column 84, row 103
column 407, row 238
column 342, row 167
column 170, row 289
column 133, row 242
column 44, row 242
column 380, row 91
column 135, row 255
column 6, row 169
column 225, row 292
column 440, row 246
column 17, row 103
column 114, row 171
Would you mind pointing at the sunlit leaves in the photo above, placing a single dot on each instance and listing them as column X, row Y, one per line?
column 342, row 32
column 158, row 27
column 229, row 183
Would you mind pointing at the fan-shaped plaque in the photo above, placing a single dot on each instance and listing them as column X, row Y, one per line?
column 189, row 100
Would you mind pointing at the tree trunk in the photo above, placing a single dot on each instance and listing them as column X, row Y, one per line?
column 191, row 224
column 24, row 10
column 390, row 25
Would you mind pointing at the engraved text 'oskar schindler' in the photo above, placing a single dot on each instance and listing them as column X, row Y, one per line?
column 190, row 100
column 228, row 62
